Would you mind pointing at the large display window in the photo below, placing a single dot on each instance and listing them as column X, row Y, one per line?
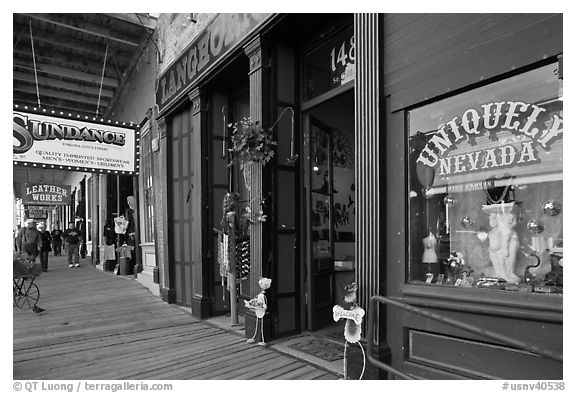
column 485, row 186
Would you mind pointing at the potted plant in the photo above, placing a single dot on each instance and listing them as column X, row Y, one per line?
column 251, row 143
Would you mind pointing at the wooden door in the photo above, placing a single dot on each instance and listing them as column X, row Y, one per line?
column 180, row 199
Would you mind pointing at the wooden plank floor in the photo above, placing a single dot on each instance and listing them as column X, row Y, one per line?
column 101, row 326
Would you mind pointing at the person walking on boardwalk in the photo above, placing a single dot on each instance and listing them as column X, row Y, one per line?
column 29, row 240
column 46, row 248
column 73, row 238
column 57, row 240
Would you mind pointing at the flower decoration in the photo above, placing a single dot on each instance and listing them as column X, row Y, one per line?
column 251, row 142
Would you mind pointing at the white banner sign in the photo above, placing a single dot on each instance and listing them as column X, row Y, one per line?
column 67, row 143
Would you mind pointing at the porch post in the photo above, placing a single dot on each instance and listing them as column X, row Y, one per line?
column 259, row 57
column 167, row 291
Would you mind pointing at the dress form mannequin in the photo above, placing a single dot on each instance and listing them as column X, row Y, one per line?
column 429, row 255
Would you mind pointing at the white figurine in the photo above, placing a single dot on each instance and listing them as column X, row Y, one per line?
column 503, row 240
column 353, row 326
column 259, row 305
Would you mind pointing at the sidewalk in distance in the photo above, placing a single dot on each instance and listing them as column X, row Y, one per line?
column 100, row 326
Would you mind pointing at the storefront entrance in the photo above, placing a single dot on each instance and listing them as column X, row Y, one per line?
column 330, row 206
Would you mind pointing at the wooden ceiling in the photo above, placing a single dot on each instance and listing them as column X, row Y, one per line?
column 69, row 51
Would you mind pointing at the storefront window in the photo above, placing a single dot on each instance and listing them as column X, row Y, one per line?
column 146, row 179
column 485, row 187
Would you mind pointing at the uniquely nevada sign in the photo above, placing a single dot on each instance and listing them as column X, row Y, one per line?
column 221, row 35
column 68, row 143
column 511, row 134
column 45, row 194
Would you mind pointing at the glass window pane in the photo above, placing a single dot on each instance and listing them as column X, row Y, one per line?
column 330, row 65
column 485, row 186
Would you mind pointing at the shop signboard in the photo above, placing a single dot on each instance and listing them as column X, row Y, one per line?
column 37, row 212
column 46, row 194
column 490, row 140
column 71, row 143
column 222, row 35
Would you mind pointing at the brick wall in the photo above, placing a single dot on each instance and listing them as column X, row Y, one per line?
column 175, row 32
column 138, row 92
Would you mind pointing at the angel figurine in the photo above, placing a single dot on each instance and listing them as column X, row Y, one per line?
column 259, row 305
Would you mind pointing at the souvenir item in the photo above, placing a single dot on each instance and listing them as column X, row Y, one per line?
column 466, row 222
column 259, row 305
column 552, row 208
column 534, row 226
column 503, row 240
column 449, row 200
column 353, row 326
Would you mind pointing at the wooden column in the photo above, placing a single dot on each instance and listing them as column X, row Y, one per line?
column 200, row 233
column 167, row 291
column 96, row 218
column 258, row 53
column 369, row 246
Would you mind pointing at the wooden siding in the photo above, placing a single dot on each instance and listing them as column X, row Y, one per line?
column 430, row 55
column 425, row 57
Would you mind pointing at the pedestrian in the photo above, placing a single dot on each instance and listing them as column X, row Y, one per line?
column 29, row 241
column 46, row 240
column 73, row 238
column 16, row 232
column 57, row 240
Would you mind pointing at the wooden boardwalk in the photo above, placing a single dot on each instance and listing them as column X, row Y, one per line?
column 100, row 326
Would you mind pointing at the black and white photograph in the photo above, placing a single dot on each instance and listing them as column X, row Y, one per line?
column 320, row 196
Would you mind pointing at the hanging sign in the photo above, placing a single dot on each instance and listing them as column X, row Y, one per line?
column 40, row 140
column 36, row 212
column 46, row 194
column 222, row 34
column 499, row 136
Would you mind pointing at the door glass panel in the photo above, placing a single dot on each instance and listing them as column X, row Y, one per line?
column 320, row 210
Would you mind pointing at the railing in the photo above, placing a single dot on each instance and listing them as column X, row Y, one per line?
column 486, row 333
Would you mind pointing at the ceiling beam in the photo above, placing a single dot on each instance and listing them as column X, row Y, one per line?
column 47, row 92
column 93, row 30
column 56, row 105
column 91, row 49
column 143, row 20
column 68, row 73
column 64, row 85
column 45, row 56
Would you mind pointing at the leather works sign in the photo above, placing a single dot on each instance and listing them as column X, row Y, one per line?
column 46, row 141
column 224, row 33
column 45, row 194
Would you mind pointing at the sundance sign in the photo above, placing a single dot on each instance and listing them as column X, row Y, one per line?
column 45, row 194
column 220, row 36
column 73, row 144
